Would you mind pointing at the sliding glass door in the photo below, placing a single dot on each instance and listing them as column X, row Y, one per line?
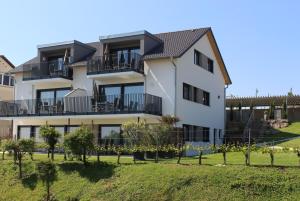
column 124, row 97
column 51, row 100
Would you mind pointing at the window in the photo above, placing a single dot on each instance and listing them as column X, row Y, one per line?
column 187, row 132
column 195, row 133
column 205, row 134
column 205, row 98
column 0, row 78
column 186, row 91
column 195, row 94
column 12, row 81
column 197, row 58
column 210, row 65
column 109, row 134
column 24, row 132
column 6, row 80
column 203, row 61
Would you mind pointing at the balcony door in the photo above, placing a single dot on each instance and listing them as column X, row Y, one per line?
column 124, row 57
column 51, row 100
column 123, row 97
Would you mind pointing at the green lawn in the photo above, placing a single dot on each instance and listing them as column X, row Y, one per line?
column 163, row 181
column 292, row 131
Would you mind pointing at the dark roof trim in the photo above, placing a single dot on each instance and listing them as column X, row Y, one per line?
column 7, row 61
column 65, row 43
column 193, row 43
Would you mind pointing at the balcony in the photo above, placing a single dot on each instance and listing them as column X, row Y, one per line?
column 53, row 71
column 125, row 65
column 84, row 105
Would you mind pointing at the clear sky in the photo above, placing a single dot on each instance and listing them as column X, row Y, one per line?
column 259, row 40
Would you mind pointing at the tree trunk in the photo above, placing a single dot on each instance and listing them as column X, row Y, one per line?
column 31, row 156
column 84, row 156
column 119, row 155
column 15, row 156
column 179, row 156
column 48, row 153
column 200, row 158
column 20, row 165
column 98, row 157
column 224, row 157
column 48, row 191
column 3, row 153
column 65, row 155
column 134, row 161
column 272, row 159
column 246, row 159
column 52, row 154
column 156, row 156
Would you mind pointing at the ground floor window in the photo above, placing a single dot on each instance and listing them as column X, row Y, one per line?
column 26, row 132
column 195, row 133
column 109, row 134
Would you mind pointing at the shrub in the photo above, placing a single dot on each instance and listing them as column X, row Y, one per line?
column 51, row 137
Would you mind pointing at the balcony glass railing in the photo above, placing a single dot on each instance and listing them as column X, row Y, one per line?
column 111, row 63
column 84, row 105
column 46, row 70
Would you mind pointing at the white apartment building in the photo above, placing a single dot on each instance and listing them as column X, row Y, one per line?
column 130, row 76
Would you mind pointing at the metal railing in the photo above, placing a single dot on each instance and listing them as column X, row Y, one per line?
column 111, row 63
column 84, row 105
column 45, row 70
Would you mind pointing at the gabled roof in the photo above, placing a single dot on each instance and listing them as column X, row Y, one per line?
column 174, row 44
column 7, row 61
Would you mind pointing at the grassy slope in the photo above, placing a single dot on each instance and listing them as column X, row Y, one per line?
column 163, row 181
column 292, row 131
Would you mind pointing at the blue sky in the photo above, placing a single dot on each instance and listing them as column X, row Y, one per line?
column 259, row 40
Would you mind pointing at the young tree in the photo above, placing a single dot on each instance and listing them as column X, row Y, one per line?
column 99, row 149
column 51, row 137
column 48, row 174
column 80, row 142
column 136, row 134
column 271, row 151
column 284, row 110
column 200, row 150
column 224, row 148
column 271, row 110
column 118, row 149
column 20, row 148
column 245, row 149
column 159, row 135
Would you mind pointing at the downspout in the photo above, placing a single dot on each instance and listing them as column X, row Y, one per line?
column 225, row 114
column 175, row 84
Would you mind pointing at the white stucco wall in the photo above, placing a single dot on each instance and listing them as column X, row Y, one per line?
column 160, row 81
column 192, row 113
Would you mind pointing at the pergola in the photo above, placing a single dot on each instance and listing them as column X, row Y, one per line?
column 293, row 100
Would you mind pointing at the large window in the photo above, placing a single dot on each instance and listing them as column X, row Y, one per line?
column 109, row 134
column 195, row 133
column 51, row 100
column 123, row 96
column 6, row 80
column 195, row 94
column 203, row 61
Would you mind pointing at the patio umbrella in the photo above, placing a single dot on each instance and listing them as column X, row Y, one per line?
column 95, row 91
column 106, row 54
column 66, row 56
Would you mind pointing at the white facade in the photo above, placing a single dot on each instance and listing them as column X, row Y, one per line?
column 162, row 77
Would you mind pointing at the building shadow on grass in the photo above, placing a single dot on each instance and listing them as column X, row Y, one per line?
column 93, row 171
column 30, row 181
